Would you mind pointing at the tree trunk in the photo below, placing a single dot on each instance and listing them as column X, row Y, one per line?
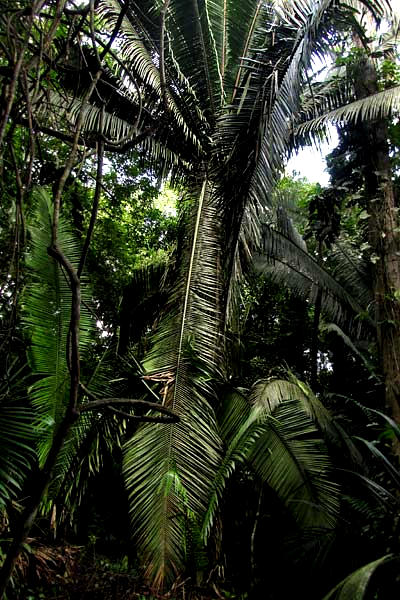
column 384, row 240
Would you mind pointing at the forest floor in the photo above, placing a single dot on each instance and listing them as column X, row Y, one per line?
column 76, row 573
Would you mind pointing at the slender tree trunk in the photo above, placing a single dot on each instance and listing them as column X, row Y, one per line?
column 384, row 240
column 315, row 331
column 386, row 245
column 314, row 342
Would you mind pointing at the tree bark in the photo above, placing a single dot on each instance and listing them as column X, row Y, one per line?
column 384, row 240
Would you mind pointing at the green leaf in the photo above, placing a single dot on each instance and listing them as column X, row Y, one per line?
column 355, row 586
column 46, row 318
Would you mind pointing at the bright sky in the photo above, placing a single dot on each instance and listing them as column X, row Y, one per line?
column 310, row 162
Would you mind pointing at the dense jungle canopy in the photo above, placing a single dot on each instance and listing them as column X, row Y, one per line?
column 200, row 379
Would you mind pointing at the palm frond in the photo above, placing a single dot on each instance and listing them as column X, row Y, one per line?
column 293, row 387
column 46, row 317
column 284, row 259
column 81, row 458
column 380, row 105
column 47, row 305
column 176, row 462
column 307, row 22
column 94, row 436
column 355, row 586
column 296, row 466
column 139, row 46
column 58, row 107
column 238, row 429
column 352, row 271
column 393, row 471
column 274, row 431
column 16, row 434
column 266, row 109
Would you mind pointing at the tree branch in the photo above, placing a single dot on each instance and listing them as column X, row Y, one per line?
column 145, row 418
column 70, row 161
column 115, row 31
column 99, row 404
column 95, row 207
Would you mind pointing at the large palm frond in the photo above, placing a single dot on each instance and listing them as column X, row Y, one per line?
column 238, row 430
column 264, row 112
column 274, row 430
column 46, row 316
column 169, row 468
column 346, row 295
column 334, row 100
column 141, row 45
column 355, row 586
column 298, row 467
column 380, row 105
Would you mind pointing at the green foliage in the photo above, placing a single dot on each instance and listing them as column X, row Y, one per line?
column 136, row 226
column 211, row 93
column 16, row 434
column 355, row 586
column 351, row 59
column 294, row 193
column 46, row 316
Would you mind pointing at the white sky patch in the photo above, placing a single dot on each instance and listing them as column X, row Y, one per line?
column 310, row 163
column 103, row 332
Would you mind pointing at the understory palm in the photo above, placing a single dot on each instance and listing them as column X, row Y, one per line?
column 46, row 318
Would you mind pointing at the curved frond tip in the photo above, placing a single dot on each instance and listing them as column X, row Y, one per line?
column 355, row 586
column 380, row 105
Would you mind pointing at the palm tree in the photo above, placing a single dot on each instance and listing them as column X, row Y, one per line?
column 229, row 79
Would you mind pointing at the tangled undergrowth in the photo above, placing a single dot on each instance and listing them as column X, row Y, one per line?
column 70, row 572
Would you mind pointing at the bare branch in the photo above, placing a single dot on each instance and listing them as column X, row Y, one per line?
column 144, row 418
column 71, row 158
column 10, row 95
column 99, row 404
column 97, row 191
